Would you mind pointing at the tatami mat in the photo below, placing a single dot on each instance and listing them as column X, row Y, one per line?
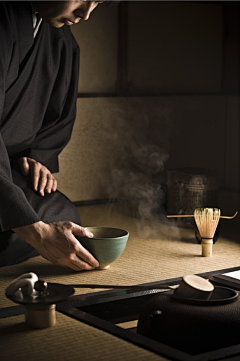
column 68, row 340
column 155, row 251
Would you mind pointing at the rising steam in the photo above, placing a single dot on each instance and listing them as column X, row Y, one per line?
column 136, row 172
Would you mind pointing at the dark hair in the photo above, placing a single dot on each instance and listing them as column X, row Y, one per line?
column 110, row 2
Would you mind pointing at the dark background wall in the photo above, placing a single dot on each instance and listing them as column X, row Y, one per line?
column 158, row 80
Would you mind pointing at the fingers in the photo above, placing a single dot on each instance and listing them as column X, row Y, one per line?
column 51, row 184
column 80, row 231
column 45, row 181
column 56, row 243
column 54, row 187
column 83, row 257
column 24, row 166
column 79, row 259
column 35, row 174
column 75, row 263
column 42, row 179
column 78, row 264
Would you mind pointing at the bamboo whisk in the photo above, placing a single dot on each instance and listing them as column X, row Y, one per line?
column 207, row 220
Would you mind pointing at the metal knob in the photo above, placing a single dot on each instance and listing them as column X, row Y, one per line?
column 154, row 319
column 40, row 286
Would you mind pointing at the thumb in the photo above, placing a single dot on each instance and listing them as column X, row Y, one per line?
column 24, row 165
column 80, row 231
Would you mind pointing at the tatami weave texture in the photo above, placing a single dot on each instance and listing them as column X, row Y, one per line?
column 156, row 250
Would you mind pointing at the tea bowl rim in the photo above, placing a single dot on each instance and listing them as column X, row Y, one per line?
column 126, row 233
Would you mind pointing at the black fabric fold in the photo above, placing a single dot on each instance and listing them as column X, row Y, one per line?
column 38, row 91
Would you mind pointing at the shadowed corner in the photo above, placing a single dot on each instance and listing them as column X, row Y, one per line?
column 18, row 327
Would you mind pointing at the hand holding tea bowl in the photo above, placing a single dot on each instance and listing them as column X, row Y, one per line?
column 106, row 245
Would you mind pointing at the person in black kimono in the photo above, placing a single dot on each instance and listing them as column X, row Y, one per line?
column 39, row 64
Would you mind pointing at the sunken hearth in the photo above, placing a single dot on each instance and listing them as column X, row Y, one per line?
column 117, row 312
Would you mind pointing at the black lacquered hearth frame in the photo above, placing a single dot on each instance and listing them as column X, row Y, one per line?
column 72, row 305
column 71, row 309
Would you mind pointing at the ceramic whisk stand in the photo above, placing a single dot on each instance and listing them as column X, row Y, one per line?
column 39, row 299
column 206, row 220
column 207, row 247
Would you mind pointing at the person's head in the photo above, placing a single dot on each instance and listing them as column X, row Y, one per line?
column 59, row 13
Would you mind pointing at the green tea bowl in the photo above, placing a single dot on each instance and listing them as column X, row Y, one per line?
column 107, row 244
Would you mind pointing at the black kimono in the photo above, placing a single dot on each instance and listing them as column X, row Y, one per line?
column 38, row 90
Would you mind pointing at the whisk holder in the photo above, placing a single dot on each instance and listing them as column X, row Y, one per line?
column 207, row 245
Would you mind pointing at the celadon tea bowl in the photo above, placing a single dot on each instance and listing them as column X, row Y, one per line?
column 107, row 244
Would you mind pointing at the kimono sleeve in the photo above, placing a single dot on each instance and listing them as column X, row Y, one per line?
column 15, row 211
column 58, row 123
